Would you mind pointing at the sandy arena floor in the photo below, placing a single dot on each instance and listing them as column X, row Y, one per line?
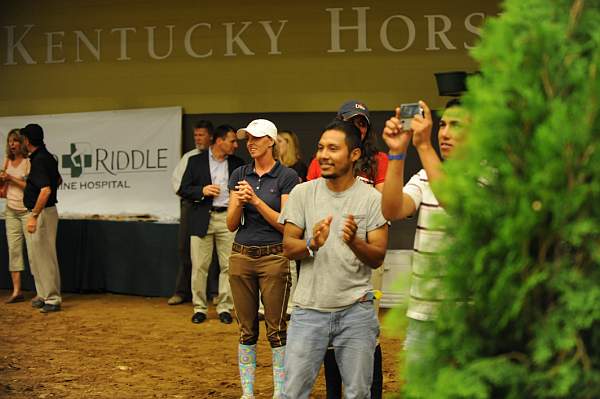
column 116, row 346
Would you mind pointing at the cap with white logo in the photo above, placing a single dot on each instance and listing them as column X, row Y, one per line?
column 352, row 108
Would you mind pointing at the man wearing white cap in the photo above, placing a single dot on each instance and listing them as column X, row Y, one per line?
column 259, row 191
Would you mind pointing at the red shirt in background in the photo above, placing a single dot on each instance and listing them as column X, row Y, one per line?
column 314, row 170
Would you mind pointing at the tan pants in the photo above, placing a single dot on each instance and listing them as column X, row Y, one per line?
column 42, row 256
column 270, row 275
column 16, row 226
column 201, row 250
column 294, row 276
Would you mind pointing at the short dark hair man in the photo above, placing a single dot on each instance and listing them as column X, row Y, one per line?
column 400, row 201
column 203, row 131
column 372, row 168
column 40, row 199
column 334, row 224
column 204, row 184
column 373, row 164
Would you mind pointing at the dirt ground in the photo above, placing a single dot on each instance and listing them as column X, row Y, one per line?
column 116, row 346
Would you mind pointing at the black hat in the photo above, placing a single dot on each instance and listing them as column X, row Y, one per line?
column 451, row 83
column 34, row 133
column 352, row 108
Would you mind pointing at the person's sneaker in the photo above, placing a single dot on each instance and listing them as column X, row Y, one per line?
column 175, row 300
column 225, row 317
column 198, row 317
column 48, row 308
column 37, row 303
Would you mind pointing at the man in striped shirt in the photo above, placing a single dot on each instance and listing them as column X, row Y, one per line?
column 400, row 201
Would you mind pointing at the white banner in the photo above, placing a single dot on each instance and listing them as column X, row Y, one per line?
column 112, row 162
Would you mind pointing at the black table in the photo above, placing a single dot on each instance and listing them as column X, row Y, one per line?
column 123, row 257
column 133, row 257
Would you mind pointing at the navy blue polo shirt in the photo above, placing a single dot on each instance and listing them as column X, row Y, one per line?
column 280, row 180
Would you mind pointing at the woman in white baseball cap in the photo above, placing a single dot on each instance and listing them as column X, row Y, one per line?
column 259, row 192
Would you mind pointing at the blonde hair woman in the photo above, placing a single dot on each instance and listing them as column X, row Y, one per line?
column 259, row 191
column 289, row 153
column 15, row 169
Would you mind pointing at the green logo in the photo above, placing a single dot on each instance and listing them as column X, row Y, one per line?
column 79, row 158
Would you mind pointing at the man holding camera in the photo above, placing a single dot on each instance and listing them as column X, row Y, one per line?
column 400, row 201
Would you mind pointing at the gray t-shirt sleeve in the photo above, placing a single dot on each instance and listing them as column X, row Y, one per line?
column 293, row 211
column 375, row 217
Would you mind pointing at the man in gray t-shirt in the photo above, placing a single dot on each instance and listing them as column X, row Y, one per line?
column 335, row 225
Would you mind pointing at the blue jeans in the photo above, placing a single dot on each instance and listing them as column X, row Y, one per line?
column 353, row 334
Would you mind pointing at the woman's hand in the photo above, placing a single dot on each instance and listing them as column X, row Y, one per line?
column 246, row 193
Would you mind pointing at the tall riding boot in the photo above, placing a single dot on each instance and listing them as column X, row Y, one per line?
column 247, row 364
column 278, row 371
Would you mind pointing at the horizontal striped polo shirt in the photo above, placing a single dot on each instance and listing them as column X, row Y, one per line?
column 426, row 288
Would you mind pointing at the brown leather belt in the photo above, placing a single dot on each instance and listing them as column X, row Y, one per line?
column 255, row 251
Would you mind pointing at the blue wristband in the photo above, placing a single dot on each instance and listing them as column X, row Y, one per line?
column 398, row 157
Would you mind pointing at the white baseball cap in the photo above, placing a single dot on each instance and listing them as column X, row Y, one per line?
column 260, row 128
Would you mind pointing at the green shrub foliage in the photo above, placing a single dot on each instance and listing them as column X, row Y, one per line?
column 523, row 197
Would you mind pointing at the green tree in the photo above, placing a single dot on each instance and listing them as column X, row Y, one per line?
column 523, row 196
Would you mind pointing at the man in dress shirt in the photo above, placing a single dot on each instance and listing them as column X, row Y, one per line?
column 202, row 135
column 204, row 183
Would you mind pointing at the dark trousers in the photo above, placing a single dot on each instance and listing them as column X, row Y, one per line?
column 333, row 379
column 183, row 285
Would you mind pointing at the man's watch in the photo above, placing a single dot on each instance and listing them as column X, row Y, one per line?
column 35, row 214
column 310, row 251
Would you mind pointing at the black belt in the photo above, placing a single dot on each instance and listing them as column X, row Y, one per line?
column 255, row 251
column 218, row 209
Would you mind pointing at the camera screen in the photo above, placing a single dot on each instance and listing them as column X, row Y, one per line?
column 409, row 110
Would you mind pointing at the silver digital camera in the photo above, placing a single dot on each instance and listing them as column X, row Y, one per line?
column 407, row 111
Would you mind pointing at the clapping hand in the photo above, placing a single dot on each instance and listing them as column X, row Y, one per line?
column 321, row 231
column 246, row 194
column 349, row 230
